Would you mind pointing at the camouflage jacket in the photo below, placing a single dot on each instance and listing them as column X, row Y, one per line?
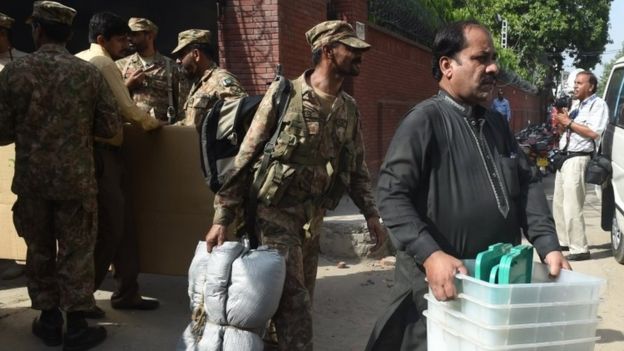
column 312, row 159
column 51, row 105
column 154, row 93
column 215, row 84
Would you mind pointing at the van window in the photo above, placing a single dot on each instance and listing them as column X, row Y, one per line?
column 615, row 97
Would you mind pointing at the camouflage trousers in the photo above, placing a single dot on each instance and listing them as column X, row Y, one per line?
column 64, row 277
column 295, row 233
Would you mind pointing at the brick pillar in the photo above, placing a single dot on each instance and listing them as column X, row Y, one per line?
column 249, row 41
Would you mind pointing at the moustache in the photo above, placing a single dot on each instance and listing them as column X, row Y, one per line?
column 488, row 80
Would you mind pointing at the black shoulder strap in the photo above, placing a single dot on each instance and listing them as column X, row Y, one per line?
column 281, row 99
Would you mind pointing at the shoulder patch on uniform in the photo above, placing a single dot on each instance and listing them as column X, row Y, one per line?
column 227, row 81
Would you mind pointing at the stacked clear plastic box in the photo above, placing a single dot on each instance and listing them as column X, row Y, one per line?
column 547, row 315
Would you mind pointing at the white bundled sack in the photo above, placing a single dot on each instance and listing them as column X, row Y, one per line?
column 217, row 279
column 255, row 289
column 241, row 340
column 232, row 291
column 212, row 338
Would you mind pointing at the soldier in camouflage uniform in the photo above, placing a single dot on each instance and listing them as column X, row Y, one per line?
column 211, row 83
column 154, row 81
column 51, row 105
column 318, row 156
column 7, row 52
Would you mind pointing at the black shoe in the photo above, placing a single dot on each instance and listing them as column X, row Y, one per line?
column 51, row 335
column 564, row 248
column 583, row 256
column 94, row 313
column 141, row 304
column 84, row 338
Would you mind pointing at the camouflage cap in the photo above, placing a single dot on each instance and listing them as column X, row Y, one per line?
column 137, row 24
column 192, row 36
column 331, row 31
column 6, row 21
column 52, row 11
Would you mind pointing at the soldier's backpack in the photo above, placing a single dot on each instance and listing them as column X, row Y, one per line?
column 223, row 128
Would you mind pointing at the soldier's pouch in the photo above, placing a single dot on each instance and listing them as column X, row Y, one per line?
column 286, row 143
column 278, row 178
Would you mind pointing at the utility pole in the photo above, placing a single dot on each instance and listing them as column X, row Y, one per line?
column 504, row 33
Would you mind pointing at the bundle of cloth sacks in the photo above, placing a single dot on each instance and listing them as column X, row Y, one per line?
column 233, row 292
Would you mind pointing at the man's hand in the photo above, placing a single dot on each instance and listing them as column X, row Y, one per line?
column 215, row 236
column 135, row 80
column 562, row 118
column 377, row 232
column 555, row 262
column 441, row 269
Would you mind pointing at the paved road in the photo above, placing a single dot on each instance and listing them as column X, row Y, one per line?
column 339, row 292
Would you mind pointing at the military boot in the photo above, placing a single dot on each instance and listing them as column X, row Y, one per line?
column 49, row 327
column 79, row 335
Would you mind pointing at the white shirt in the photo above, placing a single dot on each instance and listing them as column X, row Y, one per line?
column 592, row 112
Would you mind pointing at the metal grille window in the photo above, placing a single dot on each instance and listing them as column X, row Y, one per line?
column 409, row 18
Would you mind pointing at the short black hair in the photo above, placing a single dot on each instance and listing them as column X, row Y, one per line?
column 55, row 31
column 108, row 25
column 449, row 41
column 592, row 79
column 205, row 48
column 318, row 52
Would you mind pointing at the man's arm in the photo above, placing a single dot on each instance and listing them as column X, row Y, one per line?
column 595, row 123
column 403, row 178
column 400, row 179
column 128, row 109
column 360, row 190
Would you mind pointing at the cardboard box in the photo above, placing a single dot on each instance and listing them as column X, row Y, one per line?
column 171, row 206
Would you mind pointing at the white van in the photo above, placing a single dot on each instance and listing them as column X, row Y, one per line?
column 613, row 147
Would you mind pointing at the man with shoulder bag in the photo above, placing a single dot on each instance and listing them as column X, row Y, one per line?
column 583, row 128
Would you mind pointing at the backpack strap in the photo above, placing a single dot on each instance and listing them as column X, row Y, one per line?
column 281, row 99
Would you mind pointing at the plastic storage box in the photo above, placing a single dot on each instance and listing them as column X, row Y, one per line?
column 501, row 334
column 439, row 338
column 569, row 286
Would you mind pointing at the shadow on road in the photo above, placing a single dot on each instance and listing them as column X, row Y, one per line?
column 601, row 254
column 609, row 335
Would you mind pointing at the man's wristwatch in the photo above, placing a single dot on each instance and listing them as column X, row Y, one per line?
column 569, row 125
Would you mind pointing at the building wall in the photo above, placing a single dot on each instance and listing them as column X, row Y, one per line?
column 249, row 41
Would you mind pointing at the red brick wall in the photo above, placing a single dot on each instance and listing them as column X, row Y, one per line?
column 396, row 74
column 249, row 41
column 296, row 17
column 525, row 107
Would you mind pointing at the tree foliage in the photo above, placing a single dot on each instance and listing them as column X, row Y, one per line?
column 540, row 32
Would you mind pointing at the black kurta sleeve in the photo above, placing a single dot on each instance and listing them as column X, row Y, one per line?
column 402, row 178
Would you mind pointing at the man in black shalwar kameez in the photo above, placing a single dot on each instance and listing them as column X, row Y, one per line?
column 454, row 181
